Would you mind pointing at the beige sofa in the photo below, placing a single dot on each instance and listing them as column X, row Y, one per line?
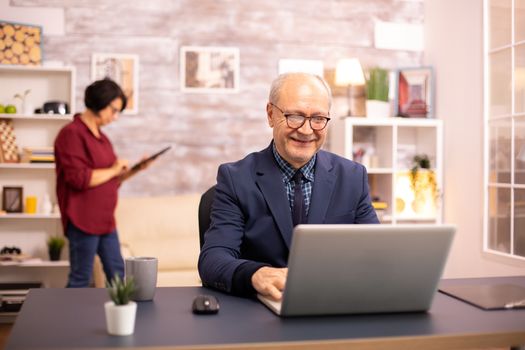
column 166, row 228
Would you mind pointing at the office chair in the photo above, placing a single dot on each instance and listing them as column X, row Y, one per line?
column 204, row 212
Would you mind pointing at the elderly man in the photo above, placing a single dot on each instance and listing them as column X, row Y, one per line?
column 259, row 199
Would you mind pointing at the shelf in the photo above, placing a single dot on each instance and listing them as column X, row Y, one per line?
column 45, row 69
column 380, row 170
column 30, row 231
column 29, row 216
column 393, row 121
column 407, row 170
column 387, row 148
column 36, row 263
column 46, row 117
column 27, row 165
column 416, row 218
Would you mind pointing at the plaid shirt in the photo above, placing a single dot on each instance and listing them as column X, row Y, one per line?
column 288, row 172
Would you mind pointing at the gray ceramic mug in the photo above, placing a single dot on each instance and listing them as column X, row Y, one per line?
column 144, row 272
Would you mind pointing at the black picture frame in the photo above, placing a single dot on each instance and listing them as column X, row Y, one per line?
column 12, row 199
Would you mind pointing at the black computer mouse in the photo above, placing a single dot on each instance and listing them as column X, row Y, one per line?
column 205, row 304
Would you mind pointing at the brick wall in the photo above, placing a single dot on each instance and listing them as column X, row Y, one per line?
column 206, row 130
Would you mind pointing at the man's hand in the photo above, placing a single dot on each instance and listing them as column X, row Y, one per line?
column 269, row 281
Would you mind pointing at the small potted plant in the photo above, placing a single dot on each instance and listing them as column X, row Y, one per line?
column 377, row 105
column 423, row 182
column 54, row 247
column 121, row 310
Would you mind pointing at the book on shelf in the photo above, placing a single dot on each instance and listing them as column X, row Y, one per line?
column 378, row 205
column 38, row 155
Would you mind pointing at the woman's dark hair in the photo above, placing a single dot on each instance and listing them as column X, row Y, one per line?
column 100, row 94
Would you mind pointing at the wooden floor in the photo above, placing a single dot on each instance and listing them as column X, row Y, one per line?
column 5, row 328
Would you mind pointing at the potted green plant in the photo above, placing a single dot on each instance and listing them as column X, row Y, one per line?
column 54, row 247
column 377, row 84
column 423, row 182
column 121, row 310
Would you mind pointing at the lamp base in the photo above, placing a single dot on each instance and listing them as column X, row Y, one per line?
column 356, row 100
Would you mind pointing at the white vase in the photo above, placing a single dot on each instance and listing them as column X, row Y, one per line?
column 377, row 109
column 28, row 108
column 47, row 206
column 120, row 319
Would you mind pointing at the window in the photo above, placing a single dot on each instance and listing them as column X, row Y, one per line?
column 504, row 95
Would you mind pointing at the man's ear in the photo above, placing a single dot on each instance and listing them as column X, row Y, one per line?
column 269, row 114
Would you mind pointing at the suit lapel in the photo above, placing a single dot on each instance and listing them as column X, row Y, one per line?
column 322, row 191
column 270, row 182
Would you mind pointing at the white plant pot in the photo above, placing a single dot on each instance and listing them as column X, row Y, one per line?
column 120, row 319
column 377, row 109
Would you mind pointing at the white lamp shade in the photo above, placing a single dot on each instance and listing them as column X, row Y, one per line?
column 349, row 72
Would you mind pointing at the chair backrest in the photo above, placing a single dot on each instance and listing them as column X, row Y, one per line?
column 204, row 212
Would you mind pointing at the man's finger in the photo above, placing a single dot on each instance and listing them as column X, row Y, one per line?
column 274, row 293
column 279, row 283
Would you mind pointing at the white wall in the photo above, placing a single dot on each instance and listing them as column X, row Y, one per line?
column 51, row 19
column 454, row 47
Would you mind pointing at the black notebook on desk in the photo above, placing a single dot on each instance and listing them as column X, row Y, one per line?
column 488, row 297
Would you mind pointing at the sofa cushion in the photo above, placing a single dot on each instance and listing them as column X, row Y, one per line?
column 179, row 278
column 163, row 227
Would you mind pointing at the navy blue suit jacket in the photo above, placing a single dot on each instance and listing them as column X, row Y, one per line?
column 251, row 220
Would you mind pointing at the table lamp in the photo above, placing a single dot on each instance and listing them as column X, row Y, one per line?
column 349, row 73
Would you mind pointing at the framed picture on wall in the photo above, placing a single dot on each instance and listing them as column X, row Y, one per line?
column 20, row 44
column 12, row 199
column 209, row 69
column 124, row 70
column 415, row 92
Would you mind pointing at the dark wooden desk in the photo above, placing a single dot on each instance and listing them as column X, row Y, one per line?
column 69, row 318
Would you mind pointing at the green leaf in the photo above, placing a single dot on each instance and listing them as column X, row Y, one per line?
column 120, row 290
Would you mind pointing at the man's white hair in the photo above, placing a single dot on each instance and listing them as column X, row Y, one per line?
column 278, row 83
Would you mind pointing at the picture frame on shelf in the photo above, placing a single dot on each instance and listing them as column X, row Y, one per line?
column 124, row 70
column 414, row 92
column 210, row 69
column 20, row 43
column 12, row 199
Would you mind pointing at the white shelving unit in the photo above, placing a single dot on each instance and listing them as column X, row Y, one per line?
column 386, row 147
column 30, row 231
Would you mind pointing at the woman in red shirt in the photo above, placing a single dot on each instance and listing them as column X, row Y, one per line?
column 88, row 177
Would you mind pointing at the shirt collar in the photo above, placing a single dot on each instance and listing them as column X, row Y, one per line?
column 289, row 171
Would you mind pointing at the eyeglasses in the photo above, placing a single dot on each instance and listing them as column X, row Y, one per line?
column 296, row 121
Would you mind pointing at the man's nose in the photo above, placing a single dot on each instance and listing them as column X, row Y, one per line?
column 306, row 128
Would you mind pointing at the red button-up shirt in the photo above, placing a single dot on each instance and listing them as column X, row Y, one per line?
column 77, row 153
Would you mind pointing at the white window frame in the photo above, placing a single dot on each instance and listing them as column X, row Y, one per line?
column 486, row 116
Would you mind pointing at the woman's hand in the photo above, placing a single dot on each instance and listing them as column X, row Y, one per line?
column 100, row 176
column 120, row 167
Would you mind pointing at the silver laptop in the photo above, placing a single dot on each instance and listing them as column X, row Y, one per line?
column 348, row 269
